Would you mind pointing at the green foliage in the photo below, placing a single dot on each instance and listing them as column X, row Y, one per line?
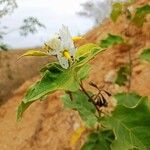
column 116, row 11
column 80, row 102
column 21, row 108
column 119, row 8
column 84, row 50
column 122, row 75
column 92, row 51
column 128, row 99
column 127, row 126
column 140, row 15
column 54, row 78
column 99, row 140
column 111, row 40
column 33, row 53
column 84, row 72
column 145, row 55
column 131, row 126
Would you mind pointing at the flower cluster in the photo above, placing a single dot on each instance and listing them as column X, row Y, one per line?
column 62, row 46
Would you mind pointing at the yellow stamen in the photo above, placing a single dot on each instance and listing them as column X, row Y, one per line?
column 66, row 54
column 77, row 38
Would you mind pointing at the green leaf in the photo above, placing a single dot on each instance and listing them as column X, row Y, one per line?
column 22, row 107
column 84, row 50
column 99, row 140
column 54, row 78
column 87, row 57
column 111, row 40
column 34, row 53
column 80, row 103
column 140, row 15
column 128, row 99
column 145, row 55
column 122, row 75
column 116, row 11
column 84, row 72
column 131, row 126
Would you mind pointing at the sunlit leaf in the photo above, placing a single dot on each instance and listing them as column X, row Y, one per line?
column 82, row 60
column 80, row 102
column 84, row 72
column 140, row 15
column 145, row 55
column 122, row 75
column 116, row 11
column 54, row 78
column 128, row 99
column 22, row 107
column 33, row 53
column 111, row 40
column 131, row 126
column 84, row 50
column 99, row 140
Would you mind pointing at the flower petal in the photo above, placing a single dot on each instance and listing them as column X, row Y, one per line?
column 54, row 45
column 67, row 42
column 63, row 61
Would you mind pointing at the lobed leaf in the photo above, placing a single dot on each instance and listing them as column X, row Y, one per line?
column 145, row 55
column 84, row 71
column 140, row 15
column 54, row 78
column 111, row 40
column 131, row 126
column 130, row 100
column 99, row 140
column 122, row 75
column 116, row 11
column 80, row 103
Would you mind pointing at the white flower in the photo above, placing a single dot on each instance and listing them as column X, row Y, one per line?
column 53, row 45
column 62, row 46
column 67, row 42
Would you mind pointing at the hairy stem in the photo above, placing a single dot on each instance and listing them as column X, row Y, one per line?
column 70, row 95
column 130, row 70
column 90, row 98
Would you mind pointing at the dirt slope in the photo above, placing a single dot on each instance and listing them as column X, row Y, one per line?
column 14, row 72
column 39, row 129
column 46, row 125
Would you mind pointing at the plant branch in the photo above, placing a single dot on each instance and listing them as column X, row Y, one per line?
column 130, row 70
column 70, row 95
column 90, row 98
